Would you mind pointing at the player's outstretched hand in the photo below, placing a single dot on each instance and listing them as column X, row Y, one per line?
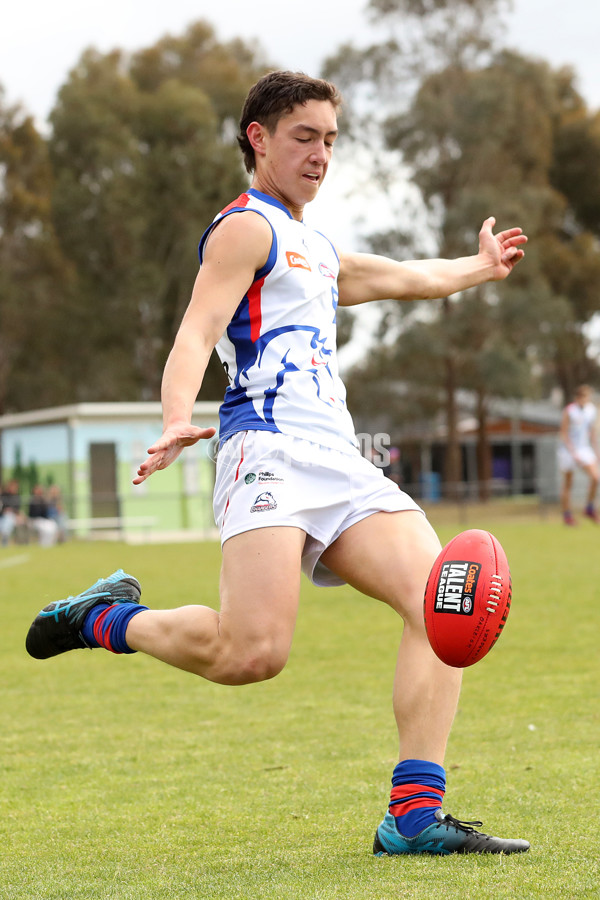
column 504, row 249
column 168, row 447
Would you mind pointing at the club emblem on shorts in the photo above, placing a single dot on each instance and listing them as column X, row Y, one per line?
column 264, row 502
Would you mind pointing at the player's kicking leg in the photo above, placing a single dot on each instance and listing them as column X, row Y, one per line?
column 389, row 556
column 247, row 640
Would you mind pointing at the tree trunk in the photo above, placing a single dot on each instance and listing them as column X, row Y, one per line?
column 452, row 459
column 484, row 457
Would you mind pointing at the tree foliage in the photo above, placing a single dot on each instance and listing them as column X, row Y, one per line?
column 144, row 155
column 485, row 140
column 484, row 131
column 100, row 221
column 35, row 277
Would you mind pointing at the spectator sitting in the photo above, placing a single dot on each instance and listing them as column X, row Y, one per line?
column 56, row 511
column 10, row 511
column 39, row 517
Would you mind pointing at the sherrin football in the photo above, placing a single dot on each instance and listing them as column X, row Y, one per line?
column 467, row 598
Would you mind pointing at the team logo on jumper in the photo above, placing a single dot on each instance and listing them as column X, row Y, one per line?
column 456, row 587
column 250, row 477
column 264, row 502
column 297, row 261
column 326, row 271
column 269, row 477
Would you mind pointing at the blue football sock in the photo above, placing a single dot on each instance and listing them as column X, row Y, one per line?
column 106, row 624
column 88, row 626
column 418, row 788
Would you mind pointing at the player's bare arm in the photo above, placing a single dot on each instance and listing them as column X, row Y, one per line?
column 365, row 277
column 594, row 438
column 236, row 249
column 564, row 432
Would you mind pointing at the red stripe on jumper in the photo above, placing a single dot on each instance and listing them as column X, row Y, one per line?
column 242, row 200
column 254, row 294
column 254, row 308
column 237, row 474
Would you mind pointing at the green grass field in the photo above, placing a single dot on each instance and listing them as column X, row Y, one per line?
column 123, row 778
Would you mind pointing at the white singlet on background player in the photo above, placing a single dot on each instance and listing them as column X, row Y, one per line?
column 578, row 450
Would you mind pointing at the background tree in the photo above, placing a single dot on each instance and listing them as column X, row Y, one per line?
column 572, row 256
column 386, row 83
column 144, row 154
column 480, row 135
column 35, row 278
column 483, row 140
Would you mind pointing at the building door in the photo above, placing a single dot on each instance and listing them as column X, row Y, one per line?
column 103, row 480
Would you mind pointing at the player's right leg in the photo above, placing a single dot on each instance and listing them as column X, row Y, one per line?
column 565, row 497
column 247, row 640
column 388, row 556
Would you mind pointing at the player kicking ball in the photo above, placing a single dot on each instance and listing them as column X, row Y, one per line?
column 291, row 484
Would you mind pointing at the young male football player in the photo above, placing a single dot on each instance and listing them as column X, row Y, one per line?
column 291, row 484
column 578, row 449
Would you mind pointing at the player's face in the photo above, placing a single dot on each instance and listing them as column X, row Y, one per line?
column 292, row 162
column 583, row 396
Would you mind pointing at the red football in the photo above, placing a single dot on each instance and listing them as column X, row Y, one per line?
column 467, row 598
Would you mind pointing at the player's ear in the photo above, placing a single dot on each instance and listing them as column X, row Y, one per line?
column 256, row 135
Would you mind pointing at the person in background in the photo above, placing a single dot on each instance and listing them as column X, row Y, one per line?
column 56, row 511
column 11, row 514
column 578, row 449
column 40, row 519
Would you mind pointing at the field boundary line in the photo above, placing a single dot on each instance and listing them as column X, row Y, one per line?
column 14, row 561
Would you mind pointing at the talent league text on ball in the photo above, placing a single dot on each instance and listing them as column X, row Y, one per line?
column 457, row 586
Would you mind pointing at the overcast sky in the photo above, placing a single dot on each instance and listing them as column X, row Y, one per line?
column 41, row 41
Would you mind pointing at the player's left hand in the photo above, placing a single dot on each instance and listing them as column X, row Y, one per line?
column 504, row 249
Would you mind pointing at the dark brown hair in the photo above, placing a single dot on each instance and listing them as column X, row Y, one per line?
column 276, row 95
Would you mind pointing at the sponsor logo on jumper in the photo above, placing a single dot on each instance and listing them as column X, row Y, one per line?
column 297, row 261
column 250, row 477
column 264, row 502
column 270, row 477
column 326, row 271
column 457, row 586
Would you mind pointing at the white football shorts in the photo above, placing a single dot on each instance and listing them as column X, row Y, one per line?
column 266, row 478
column 567, row 462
